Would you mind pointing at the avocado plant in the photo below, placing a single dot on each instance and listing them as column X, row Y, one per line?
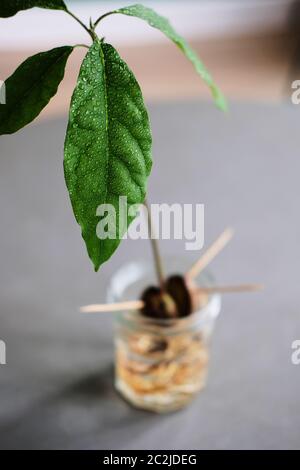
column 108, row 142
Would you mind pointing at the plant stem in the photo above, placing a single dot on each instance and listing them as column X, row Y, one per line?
column 104, row 16
column 82, row 45
column 91, row 33
column 155, row 249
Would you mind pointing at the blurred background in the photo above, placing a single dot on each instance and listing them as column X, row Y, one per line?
column 247, row 44
column 56, row 390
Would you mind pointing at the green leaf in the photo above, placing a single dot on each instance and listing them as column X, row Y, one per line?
column 31, row 87
column 11, row 7
column 161, row 23
column 108, row 145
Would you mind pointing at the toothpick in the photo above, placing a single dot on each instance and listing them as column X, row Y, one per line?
column 210, row 253
column 139, row 304
column 228, row 289
column 116, row 307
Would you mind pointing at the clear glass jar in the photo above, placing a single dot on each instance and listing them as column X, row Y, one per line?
column 160, row 365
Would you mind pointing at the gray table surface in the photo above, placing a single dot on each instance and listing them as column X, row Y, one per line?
column 56, row 390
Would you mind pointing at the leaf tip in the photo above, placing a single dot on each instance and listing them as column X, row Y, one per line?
column 220, row 99
column 96, row 265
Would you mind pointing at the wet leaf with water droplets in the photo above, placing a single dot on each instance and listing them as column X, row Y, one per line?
column 161, row 23
column 11, row 7
column 108, row 145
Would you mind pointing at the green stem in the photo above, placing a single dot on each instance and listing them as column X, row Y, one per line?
column 82, row 45
column 91, row 33
column 104, row 16
column 155, row 249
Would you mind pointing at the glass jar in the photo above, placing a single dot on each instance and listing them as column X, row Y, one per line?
column 160, row 365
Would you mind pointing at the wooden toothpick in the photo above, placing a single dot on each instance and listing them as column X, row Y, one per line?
column 230, row 289
column 210, row 253
column 116, row 307
column 139, row 304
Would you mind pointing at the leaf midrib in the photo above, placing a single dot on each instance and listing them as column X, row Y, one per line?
column 106, row 119
column 102, row 58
